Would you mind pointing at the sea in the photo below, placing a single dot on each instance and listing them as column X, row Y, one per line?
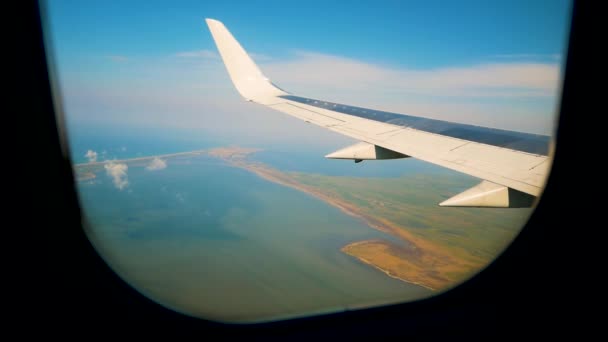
column 217, row 242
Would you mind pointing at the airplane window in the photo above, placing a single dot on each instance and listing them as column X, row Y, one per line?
column 428, row 145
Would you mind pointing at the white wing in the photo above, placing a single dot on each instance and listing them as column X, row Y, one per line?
column 513, row 165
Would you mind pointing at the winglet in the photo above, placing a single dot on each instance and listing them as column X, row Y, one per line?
column 245, row 74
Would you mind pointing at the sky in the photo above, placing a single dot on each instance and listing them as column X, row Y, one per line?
column 127, row 66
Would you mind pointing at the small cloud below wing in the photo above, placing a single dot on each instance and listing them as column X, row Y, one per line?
column 157, row 164
column 118, row 173
column 91, row 156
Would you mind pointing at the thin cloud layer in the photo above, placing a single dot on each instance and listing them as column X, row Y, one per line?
column 118, row 173
column 206, row 54
column 157, row 164
column 529, row 56
column 197, row 93
column 213, row 55
column 482, row 80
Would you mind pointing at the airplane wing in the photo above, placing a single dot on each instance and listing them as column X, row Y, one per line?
column 513, row 166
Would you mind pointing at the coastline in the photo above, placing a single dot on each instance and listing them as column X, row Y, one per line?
column 416, row 260
column 378, row 267
column 136, row 159
column 426, row 263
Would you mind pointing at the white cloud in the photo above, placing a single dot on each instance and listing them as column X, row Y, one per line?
column 118, row 172
column 515, row 79
column 157, row 164
column 91, row 155
column 206, row 54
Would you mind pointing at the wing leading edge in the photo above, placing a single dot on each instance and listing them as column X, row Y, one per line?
column 512, row 165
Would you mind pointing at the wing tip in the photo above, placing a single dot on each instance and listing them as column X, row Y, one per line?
column 211, row 21
column 246, row 76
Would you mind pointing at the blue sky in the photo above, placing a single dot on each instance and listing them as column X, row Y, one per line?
column 153, row 63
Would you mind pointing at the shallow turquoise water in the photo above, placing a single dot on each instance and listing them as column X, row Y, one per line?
column 218, row 242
